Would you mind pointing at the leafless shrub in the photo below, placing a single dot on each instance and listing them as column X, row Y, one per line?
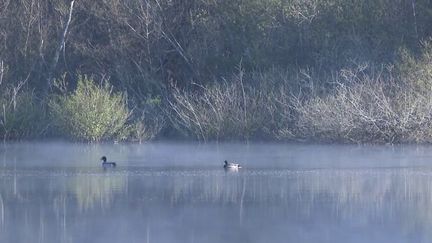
column 222, row 111
column 354, row 113
column 304, row 11
column 366, row 108
column 147, row 128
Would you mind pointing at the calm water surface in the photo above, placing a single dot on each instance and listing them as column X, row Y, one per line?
column 168, row 192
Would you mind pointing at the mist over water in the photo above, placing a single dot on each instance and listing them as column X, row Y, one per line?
column 171, row 192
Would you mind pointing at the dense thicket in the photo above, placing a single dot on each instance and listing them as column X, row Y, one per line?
column 156, row 50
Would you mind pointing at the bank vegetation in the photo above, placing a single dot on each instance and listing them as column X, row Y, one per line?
column 325, row 71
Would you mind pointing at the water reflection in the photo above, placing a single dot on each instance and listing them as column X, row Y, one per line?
column 179, row 205
column 97, row 189
column 169, row 193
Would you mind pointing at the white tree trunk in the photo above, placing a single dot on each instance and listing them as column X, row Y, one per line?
column 59, row 49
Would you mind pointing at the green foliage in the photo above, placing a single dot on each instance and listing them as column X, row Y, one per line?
column 92, row 112
column 21, row 116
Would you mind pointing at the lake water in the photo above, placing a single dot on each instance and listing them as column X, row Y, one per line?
column 172, row 192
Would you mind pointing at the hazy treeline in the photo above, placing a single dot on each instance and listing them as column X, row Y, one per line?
column 214, row 69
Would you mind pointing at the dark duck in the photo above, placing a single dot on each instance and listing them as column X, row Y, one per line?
column 107, row 164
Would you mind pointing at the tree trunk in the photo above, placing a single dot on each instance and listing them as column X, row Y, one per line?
column 62, row 43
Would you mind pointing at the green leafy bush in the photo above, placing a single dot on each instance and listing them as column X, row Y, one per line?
column 92, row 113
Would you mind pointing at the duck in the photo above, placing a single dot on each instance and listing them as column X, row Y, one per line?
column 107, row 164
column 231, row 165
